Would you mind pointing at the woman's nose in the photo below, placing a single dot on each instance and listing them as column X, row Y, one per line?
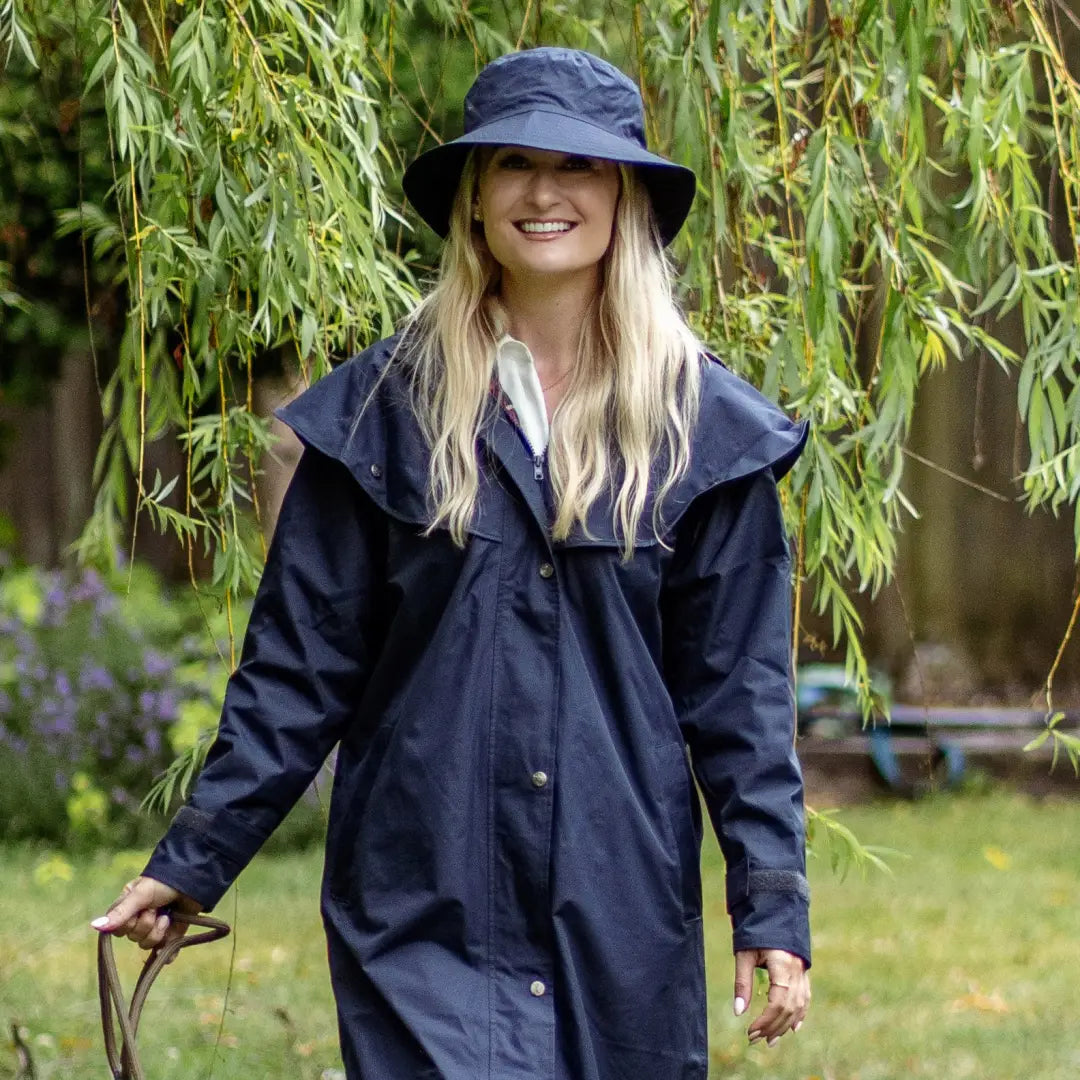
column 544, row 188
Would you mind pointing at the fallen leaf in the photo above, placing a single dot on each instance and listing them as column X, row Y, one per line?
column 979, row 1002
column 998, row 859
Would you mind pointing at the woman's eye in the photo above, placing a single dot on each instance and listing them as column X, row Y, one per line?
column 577, row 163
column 513, row 161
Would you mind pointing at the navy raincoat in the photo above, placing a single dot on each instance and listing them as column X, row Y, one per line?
column 512, row 887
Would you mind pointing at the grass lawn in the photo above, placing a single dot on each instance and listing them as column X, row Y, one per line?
column 965, row 963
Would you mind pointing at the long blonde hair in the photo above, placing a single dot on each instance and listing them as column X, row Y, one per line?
column 633, row 395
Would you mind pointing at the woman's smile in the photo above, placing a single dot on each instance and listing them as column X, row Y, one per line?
column 547, row 213
column 545, row 230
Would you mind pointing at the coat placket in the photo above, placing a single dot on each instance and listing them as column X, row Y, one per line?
column 523, row 779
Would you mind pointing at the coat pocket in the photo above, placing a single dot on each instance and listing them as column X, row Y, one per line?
column 682, row 822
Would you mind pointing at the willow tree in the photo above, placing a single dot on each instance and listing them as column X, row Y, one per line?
column 880, row 185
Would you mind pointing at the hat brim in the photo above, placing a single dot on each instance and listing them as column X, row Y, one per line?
column 431, row 181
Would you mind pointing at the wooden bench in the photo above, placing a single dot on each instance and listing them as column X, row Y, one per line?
column 932, row 747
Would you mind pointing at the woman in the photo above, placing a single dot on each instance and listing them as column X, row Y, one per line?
column 532, row 553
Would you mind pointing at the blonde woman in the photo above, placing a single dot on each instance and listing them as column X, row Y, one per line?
column 532, row 576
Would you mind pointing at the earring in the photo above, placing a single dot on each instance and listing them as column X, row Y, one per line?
column 477, row 213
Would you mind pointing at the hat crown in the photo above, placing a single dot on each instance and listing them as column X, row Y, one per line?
column 550, row 79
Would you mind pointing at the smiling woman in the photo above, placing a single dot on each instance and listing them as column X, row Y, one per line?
column 546, row 213
column 547, row 220
column 532, row 575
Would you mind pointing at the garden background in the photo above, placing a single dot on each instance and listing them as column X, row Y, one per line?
column 200, row 213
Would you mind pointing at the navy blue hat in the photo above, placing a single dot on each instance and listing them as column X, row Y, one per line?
column 565, row 100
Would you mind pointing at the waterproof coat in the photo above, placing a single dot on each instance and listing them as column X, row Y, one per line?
column 511, row 887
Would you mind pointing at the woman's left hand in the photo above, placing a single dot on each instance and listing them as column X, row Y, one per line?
column 789, row 991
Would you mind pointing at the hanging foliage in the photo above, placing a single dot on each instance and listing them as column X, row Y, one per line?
column 881, row 187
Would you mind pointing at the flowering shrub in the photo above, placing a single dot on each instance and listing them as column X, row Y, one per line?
column 96, row 681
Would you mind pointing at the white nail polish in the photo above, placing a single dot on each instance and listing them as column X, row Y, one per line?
column 97, row 924
column 740, row 1006
column 773, row 1041
column 797, row 1026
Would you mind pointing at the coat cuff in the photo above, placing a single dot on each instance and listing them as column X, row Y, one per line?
column 770, row 909
column 203, row 854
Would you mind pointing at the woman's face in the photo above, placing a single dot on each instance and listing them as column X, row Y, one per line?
column 547, row 213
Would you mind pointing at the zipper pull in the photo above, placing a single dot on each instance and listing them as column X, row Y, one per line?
column 538, row 467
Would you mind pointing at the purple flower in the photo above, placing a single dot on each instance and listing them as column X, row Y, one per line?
column 56, row 607
column 152, row 741
column 147, row 701
column 62, row 684
column 167, row 706
column 95, row 677
column 89, row 587
column 64, row 724
column 134, row 755
column 60, row 780
column 5, row 703
column 155, row 664
column 13, row 742
column 54, row 720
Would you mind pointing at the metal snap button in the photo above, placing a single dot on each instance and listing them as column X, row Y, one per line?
column 539, row 779
column 537, row 989
column 376, row 471
column 546, row 570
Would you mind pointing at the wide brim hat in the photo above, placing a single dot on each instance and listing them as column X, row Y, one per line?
column 565, row 100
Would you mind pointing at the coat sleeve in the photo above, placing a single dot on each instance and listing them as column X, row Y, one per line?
column 306, row 655
column 727, row 642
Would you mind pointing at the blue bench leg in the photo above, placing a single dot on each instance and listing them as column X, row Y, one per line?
column 885, row 761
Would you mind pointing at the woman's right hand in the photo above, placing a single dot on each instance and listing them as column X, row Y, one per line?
column 137, row 913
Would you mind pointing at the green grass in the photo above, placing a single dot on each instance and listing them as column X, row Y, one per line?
column 964, row 963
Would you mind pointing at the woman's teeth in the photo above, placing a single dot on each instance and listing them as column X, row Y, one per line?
column 545, row 226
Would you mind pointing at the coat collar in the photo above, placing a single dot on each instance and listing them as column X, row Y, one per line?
column 360, row 414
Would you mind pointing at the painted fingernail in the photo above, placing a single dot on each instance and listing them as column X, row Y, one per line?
column 101, row 923
column 755, row 1036
column 773, row 1041
column 740, row 1006
column 796, row 1027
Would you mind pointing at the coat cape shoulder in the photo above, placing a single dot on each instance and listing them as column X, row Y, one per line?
column 360, row 414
